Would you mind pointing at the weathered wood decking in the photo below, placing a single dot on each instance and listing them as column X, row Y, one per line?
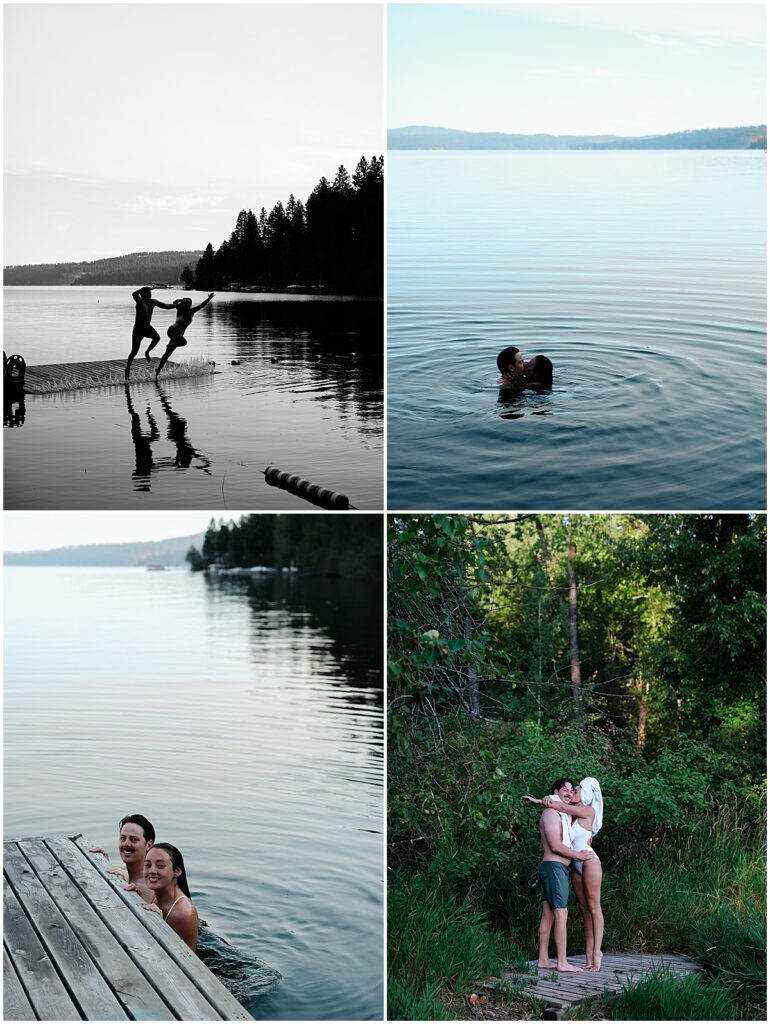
column 50, row 377
column 76, row 946
column 562, row 991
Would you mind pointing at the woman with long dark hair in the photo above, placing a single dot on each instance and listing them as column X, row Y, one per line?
column 165, row 875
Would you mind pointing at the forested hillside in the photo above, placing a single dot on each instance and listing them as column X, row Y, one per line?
column 134, row 269
column 334, row 545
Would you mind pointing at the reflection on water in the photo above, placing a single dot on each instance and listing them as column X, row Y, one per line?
column 641, row 275
column 298, row 385
column 245, row 721
column 144, row 436
column 14, row 408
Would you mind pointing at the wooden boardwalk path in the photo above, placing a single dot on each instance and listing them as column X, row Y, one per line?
column 45, row 379
column 76, row 946
column 562, row 991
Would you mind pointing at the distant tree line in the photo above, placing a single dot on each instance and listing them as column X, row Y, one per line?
column 333, row 241
column 131, row 269
column 331, row 545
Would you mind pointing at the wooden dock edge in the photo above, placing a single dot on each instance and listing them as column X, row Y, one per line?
column 72, row 951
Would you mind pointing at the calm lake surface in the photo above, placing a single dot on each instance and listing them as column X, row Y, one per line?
column 641, row 275
column 244, row 718
column 307, row 396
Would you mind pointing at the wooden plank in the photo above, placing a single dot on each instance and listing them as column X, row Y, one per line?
column 184, row 998
column 136, row 994
column 47, row 994
column 90, row 992
column 16, row 1006
column 219, row 997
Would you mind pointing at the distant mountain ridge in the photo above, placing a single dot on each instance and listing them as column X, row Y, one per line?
column 133, row 269
column 430, row 137
column 133, row 553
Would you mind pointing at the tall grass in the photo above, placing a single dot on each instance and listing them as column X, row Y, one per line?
column 700, row 892
column 438, row 945
column 662, row 996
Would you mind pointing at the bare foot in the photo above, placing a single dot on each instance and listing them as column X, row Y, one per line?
column 597, row 964
column 567, row 968
column 547, row 966
column 147, row 357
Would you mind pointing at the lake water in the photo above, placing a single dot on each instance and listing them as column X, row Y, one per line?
column 244, row 718
column 306, row 395
column 641, row 275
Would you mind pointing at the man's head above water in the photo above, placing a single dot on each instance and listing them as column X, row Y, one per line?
column 510, row 359
column 136, row 837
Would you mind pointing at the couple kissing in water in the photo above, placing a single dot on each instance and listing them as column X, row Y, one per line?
column 572, row 815
column 517, row 373
column 156, row 871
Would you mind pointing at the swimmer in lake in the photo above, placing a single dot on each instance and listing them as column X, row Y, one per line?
column 510, row 363
column 165, row 876
column 145, row 304
column 538, row 372
column 185, row 311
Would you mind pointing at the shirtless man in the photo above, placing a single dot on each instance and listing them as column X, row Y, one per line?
column 145, row 304
column 137, row 835
column 554, row 876
column 185, row 311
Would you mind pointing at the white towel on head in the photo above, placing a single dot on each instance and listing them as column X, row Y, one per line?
column 591, row 795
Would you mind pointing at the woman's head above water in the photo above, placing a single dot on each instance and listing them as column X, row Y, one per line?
column 539, row 369
column 164, row 866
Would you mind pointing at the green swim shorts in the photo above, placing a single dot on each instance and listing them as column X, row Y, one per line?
column 555, row 880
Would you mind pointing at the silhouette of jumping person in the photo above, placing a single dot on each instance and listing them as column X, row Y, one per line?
column 185, row 311
column 145, row 304
column 177, row 432
column 142, row 445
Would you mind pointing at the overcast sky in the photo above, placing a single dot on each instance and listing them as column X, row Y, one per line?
column 623, row 69
column 147, row 127
column 43, row 531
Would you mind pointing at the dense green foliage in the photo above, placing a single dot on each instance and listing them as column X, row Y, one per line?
column 662, row 996
column 660, row 695
column 334, row 241
column 333, row 545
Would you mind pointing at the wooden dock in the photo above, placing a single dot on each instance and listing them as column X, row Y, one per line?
column 562, row 991
column 51, row 377
column 76, row 946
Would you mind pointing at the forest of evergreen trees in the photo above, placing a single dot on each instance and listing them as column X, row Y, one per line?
column 330, row 545
column 334, row 241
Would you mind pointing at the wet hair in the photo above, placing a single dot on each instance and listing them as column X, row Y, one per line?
column 177, row 861
column 142, row 822
column 505, row 358
column 543, row 371
column 559, row 783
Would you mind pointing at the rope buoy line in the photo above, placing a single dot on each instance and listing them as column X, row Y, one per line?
column 313, row 493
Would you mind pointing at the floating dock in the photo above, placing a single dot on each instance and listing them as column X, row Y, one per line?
column 76, row 946
column 562, row 992
column 45, row 379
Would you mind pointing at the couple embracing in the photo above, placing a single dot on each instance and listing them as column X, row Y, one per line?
column 156, row 871
column 572, row 815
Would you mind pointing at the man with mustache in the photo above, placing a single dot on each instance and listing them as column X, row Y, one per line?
column 136, row 837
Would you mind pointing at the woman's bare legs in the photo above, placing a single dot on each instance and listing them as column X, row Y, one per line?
column 592, row 889
column 588, row 924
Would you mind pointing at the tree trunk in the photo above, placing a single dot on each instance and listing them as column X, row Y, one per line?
column 574, row 652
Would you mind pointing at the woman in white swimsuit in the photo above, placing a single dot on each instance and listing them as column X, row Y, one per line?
column 164, row 873
column 586, row 810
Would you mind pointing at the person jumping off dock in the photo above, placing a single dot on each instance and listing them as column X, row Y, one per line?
column 145, row 304
column 185, row 311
